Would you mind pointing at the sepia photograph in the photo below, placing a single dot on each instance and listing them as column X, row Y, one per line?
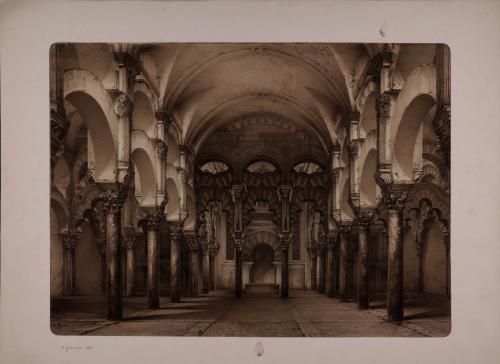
column 250, row 189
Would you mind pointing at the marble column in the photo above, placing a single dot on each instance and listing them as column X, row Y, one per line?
column 329, row 268
column 285, row 197
column 175, row 263
column 363, row 263
column 344, row 262
column 313, row 254
column 69, row 244
column 238, row 284
column 153, row 223
column 206, row 270
column 101, row 243
column 238, row 194
column 193, row 265
column 420, row 267
column 395, row 298
column 113, row 203
column 319, row 268
column 130, row 265
column 211, row 269
column 284, row 269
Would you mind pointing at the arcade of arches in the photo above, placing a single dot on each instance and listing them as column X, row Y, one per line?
column 181, row 171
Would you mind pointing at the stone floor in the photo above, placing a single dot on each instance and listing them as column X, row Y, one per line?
column 304, row 313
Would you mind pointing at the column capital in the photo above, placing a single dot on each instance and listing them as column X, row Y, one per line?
column 154, row 215
column 175, row 231
column 285, row 192
column 345, row 231
column 123, row 105
column 238, row 240
column 395, row 195
column 284, row 240
column 364, row 216
column 238, row 190
column 113, row 195
column 70, row 239
column 192, row 241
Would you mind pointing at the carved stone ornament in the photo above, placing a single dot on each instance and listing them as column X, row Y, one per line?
column 192, row 242
column 383, row 106
column 114, row 199
column 162, row 148
column 285, row 240
column 261, row 167
column 307, row 168
column 395, row 200
column 363, row 220
column 175, row 232
column 285, row 193
column 71, row 239
column 238, row 240
column 214, row 167
column 123, row 105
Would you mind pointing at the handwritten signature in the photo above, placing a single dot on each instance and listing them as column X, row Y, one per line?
column 72, row 348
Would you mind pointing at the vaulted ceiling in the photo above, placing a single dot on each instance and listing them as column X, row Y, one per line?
column 206, row 86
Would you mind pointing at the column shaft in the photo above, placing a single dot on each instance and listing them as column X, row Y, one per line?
column 395, row 267
column 130, row 270
column 175, row 261
column 329, row 271
column 114, row 264
column 319, row 269
column 68, row 271
column 153, row 262
column 193, row 272
column 284, row 273
column 211, row 270
column 206, row 271
column 343, row 277
column 363, row 269
column 238, row 285
column 313, row 271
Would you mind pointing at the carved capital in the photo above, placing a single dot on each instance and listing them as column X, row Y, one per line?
column 175, row 232
column 395, row 199
column 123, row 105
column 192, row 242
column 114, row 198
column 285, row 192
column 70, row 240
column 284, row 240
column 345, row 232
column 154, row 215
column 238, row 240
column 238, row 192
